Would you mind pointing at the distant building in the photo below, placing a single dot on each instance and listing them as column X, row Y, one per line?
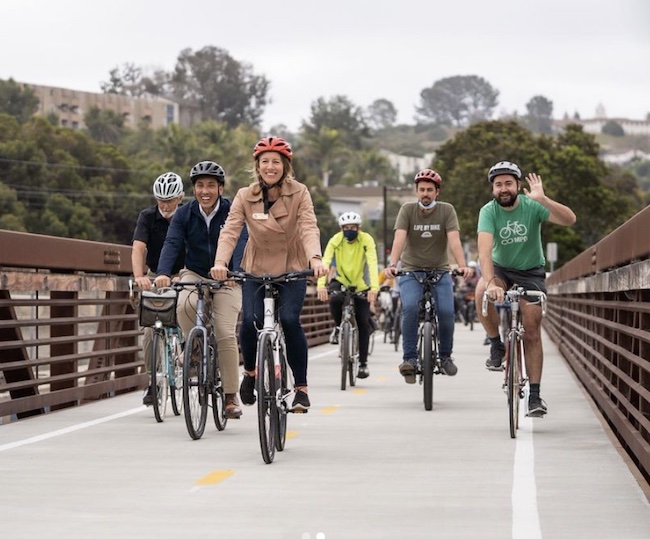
column 71, row 105
column 407, row 165
column 366, row 201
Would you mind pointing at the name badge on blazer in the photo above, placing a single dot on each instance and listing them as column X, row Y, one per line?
column 260, row 216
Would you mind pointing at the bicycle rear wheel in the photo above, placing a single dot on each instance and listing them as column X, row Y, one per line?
column 266, row 403
column 176, row 376
column 195, row 394
column 426, row 358
column 281, row 437
column 345, row 349
column 218, row 396
column 513, row 379
column 159, row 380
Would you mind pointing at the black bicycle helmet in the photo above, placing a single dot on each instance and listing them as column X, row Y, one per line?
column 208, row 168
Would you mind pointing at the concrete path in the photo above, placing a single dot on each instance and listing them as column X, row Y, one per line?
column 368, row 462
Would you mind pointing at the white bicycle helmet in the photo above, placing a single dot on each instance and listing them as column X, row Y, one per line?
column 504, row 167
column 167, row 186
column 350, row 218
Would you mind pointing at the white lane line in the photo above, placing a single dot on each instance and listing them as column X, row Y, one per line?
column 68, row 430
column 525, row 517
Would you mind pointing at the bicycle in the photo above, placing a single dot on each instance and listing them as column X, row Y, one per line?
column 349, row 336
column 272, row 384
column 510, row 327
column 201, row 375
column 157, row 310
column 429, row 360
column 388, row 318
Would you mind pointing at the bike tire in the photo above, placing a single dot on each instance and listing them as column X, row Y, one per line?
column 281, row 436
column 353, row 365
column 397, row 328
column 218, row 395
column 471, row 315
column 195, row 394
column 345, row 348
column 427, row 364
column 176, row 375
column 159, row 380
column 266, row 403
column 513, row 379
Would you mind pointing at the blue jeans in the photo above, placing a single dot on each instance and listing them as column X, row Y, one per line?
column 411, row 292
column 290, row 302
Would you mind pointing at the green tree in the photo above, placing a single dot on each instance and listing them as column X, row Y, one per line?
column 340, row 114
column 613, row 128
column 381, row 114
column 12, row 211
column 17, row 100
column 219, row 87
column 570, row 166
column 540, row 115
column 322, row 149
column 104, row 125
column 460, row 101
column 369, row 167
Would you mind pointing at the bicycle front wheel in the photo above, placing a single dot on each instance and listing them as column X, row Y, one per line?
column 218, row 396
column 176, row 375
column 397, row 329
column 159, row 380
column 266, row 403
column 513, row 379
column 353, row 365
column 281, row 436
column 195, row 394
column 427, row 364
column 345, row 351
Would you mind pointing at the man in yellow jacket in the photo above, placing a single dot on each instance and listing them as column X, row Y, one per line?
column 355, row 255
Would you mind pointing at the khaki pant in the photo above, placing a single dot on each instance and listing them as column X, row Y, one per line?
column 226, row 305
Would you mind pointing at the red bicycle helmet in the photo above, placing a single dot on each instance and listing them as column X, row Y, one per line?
column 273, row 144
column 428, row 175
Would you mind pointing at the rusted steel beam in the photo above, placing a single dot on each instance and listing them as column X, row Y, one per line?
column 23, row 250
column 26, row 281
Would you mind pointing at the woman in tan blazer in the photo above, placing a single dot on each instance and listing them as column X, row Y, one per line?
column 283, row 235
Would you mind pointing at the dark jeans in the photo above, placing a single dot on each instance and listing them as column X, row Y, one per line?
column 289, row 303
column 362, row 314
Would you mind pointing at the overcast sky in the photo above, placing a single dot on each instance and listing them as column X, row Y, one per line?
column 577, row 53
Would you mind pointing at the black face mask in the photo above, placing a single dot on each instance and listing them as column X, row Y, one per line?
column 350, row 235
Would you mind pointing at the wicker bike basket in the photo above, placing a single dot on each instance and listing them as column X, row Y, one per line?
column 158, row 305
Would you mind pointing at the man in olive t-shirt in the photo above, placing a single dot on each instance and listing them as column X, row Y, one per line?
column 424, row 230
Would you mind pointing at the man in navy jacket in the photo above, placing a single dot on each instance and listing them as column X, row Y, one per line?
column 195, row 228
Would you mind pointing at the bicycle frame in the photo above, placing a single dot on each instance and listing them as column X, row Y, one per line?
column 349, row 336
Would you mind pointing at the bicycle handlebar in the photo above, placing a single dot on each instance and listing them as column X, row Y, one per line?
column 283, row 277
column 514, row 294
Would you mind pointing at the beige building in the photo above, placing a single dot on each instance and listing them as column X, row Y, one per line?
column 71, row 105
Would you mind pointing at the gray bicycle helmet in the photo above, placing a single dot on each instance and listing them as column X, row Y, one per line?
column 504, row 167
column 208, row 168
column 167, row 186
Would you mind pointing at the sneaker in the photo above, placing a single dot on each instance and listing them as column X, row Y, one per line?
column 486, row 341
column 334, row 336
column 147, row 400
column 536, row 406
column 407, row 370
column 363, row 371
column 232, row 409
column 246, row 390
column 300, row 402
column 448, row 366
column 497, row 353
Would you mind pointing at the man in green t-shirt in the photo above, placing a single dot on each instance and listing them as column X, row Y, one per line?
column 424, row 230
column 510, row 252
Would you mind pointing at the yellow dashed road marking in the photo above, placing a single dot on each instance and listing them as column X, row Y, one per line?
column 382, row 378
column 214, row 477
column 360, row 391
column 329, row 410
column 291, row 434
